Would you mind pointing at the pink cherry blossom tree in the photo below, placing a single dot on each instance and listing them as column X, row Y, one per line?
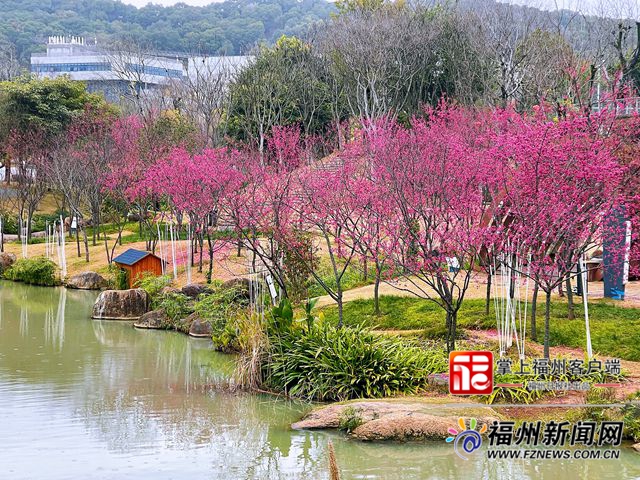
column 200, row 189
column 434, row 175
column 559, row 180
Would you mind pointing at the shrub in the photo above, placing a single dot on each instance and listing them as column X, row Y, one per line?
column 221, row 309
column 632, row 421
column 122, row 279
column 350, row 420
column 328, row 363
column 153, row 285
column 176, row 305
column 34, row 271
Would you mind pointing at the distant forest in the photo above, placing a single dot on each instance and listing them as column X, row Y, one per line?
column 232, row 27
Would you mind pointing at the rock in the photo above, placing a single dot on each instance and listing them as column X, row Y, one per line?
column 121, row 304
column 636, row 447
column 406, row 426
column 168, row 290
column 86, row 281
column 392, row 420
column 241, row 285
column 193, row 290
column 200, row 328
column 154, row 319
column 6, row 260
column 184, row 324
column 329, row 416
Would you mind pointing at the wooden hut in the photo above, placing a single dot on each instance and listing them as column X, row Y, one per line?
column 137, row 263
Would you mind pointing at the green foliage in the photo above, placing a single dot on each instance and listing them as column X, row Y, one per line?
column 631, row 419
column 39, row 221
column 289, row 84
column 122, row 279
column 352, row 278
column 230, row 27
column 222, row 310
column 615, row 330
column 346, row 6
column 153, row 285
column 176, row 305
column 282, row 315
column 34, row 271
column 599, row 396
column 45, row 105
column 350, row 420
column 309, row 317
column 513, row 394
column 330, row 364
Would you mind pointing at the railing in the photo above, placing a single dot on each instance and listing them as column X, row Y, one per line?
column 623, row 107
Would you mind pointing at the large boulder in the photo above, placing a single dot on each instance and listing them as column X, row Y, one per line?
column 121, row 304
column 6, row 260
column 200, row 328
column 193, row 290
column 86, row 281
column 393, row 420
column 154, row 319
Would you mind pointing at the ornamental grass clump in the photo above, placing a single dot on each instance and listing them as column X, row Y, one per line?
column 332, row 364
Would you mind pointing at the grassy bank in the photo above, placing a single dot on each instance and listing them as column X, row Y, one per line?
column 615, row 331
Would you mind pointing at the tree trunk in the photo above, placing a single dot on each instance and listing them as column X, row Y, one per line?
column 239, row 252
column 572, row 313
column 7, row 171
column 534, row 307
column 365, row 269
column 487, row 301
column 210, row 273
column 376, row 295
column 86, row 243
column 452, row 320
column 340, row 313
column 78, row 236
column 547, row 314
column 200, row 260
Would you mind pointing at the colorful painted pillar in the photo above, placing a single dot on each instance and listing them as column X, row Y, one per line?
column 615, row 253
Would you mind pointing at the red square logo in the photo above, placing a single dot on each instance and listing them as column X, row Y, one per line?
column 470, row 373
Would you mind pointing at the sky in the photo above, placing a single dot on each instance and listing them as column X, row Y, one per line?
column 612, row 8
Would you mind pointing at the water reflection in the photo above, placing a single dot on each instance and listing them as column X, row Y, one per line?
column 99, row 399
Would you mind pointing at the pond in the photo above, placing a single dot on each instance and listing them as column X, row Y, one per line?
column 81, row 398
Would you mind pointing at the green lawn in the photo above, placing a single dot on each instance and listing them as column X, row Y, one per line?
column 615, row 330
column 353, row 277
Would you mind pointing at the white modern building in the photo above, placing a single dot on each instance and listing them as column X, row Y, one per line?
column 113, row 73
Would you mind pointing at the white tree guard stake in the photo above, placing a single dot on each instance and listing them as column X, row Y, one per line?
column 23, row 237
column 511, row 314
column 161, row 250
column 189, row 253
column 62, row 254
column 173, row 252
column 585, row 301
